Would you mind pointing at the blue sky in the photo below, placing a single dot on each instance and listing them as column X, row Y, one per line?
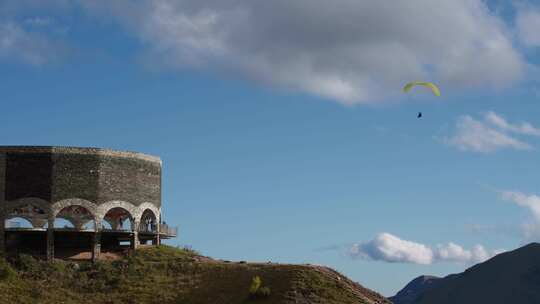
column 282, row 128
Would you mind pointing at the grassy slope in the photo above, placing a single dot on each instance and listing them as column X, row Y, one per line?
column 169, row 275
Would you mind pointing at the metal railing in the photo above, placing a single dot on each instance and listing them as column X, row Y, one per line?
column 168, row 231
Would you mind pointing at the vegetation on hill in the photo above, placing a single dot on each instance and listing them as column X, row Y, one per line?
column 169, row 275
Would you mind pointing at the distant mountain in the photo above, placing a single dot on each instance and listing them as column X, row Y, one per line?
column 417, row 286
column 510, row 277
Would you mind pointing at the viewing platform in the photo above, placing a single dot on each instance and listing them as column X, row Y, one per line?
column 55, row 199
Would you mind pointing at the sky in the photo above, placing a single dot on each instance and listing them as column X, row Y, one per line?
column 282, row 126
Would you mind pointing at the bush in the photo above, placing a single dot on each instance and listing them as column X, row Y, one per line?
column 255, row 284
column 256, row 291
column 27, row 263
column 6, row 272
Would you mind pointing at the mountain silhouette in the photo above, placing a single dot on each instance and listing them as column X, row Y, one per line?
column 510, row 277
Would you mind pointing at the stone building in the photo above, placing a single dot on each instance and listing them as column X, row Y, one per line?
column 63, row 201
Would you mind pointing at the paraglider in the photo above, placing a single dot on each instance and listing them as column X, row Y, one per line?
column 430, row 85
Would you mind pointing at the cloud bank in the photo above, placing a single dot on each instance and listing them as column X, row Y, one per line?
column 390, row 248
column 351, row 51
column 490, row 134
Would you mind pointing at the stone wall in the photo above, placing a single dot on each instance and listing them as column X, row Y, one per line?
column 55, row 174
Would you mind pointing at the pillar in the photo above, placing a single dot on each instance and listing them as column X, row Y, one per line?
column 135, row 240
column 96, row 245
column 158, row 230
column 50, row 240
column 2, row 234
column 155, row 239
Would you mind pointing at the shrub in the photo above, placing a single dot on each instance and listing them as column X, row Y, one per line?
column 6, row 272
column 255, row 284
column 256, row 291
column 27, row 263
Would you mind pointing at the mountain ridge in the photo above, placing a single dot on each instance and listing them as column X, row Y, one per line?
column 509, row 277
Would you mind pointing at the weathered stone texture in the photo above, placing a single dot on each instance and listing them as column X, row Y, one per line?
column 96, row 175
column 40, row 183
column 28, row 175
column 130, row 180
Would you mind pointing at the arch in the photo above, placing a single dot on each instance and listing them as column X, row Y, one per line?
column 10, row 222
column 88, row 205
column 34, row 210
column 106, row 207
column 143, row 207
column 79, row 216
column 148, row 222
column 118, row 219
column 8, row 206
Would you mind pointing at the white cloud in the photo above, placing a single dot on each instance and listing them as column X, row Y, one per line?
column 527, row 25
column 455, row 253
column 532, row 202
column 390, row 248
column 522, row 128
column 352, row 51
column 531, row 228
column 477, row 136
column 28, row 47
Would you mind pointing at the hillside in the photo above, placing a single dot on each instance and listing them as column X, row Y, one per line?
column 169, row 275
column 510, row 277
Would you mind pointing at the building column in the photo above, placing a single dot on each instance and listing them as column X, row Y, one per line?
column 50, row 240
column 156, row 240
column 158, row 229
column 135, row 239
column 96, row 246
column 2, row 234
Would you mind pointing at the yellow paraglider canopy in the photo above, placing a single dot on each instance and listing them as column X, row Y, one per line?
column 430, row 85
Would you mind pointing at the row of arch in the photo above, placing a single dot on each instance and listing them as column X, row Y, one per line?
column 82, row 214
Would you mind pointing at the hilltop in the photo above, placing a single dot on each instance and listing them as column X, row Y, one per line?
column 169, row 275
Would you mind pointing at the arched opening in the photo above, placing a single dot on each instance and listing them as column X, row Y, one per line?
column 117, row 230
column 148, row 222
column 118, row 219
column 18, row 223
column 25, row 230
column 74, row 228
column 148, row 227
column 75, row 217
